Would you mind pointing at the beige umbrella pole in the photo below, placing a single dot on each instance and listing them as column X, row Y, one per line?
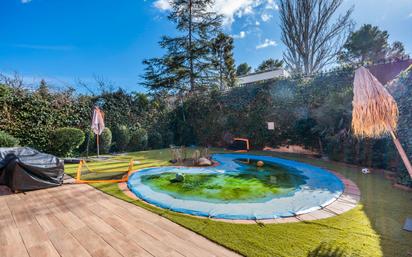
column 401, row 151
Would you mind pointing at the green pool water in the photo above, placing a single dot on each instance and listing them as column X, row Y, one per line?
column 246, row 183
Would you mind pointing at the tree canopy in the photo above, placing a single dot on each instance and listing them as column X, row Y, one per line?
column 370, row 44
column 270, row 64
column 243, row 69
column 188, row 62
column 224, row 61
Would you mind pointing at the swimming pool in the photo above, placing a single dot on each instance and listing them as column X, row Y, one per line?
column 238, row 189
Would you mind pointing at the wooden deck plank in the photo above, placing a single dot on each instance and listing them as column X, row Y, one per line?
column 44, row 249
column 66, row 245
column 33, row 234
column 150, row 244
column 161, row 234
column 113, row 237
column 49, row 222
column 78, row 220
column 11, row 243
column 94, row 244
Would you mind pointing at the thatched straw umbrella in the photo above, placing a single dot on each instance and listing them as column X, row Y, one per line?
column 375, row 112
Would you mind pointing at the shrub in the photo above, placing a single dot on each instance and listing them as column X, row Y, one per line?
column 7, row 140
column 138, row 140
column 105, row 140
column 155, row 140
column 121, row 138
column 65, row 140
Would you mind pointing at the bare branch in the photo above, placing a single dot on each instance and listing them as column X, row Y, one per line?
column 312, row 35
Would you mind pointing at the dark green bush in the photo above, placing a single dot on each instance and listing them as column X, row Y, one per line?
column 64, row 141
column 155, row 140
column 121, row 138
column 138, row 139
column 7, row 140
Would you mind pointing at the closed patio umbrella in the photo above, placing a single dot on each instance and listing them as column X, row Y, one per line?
column 375, row 112
column 97, row 125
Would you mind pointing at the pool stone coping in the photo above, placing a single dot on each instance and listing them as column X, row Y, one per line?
column 348, row 200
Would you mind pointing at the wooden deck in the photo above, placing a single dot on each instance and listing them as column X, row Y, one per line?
column 78, row 220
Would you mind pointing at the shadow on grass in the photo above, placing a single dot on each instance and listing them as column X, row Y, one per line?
column 385, row 206
column 326, row 250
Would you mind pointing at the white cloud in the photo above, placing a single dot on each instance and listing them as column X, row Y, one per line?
column 230, row 9
column 163, row 5
column 257, row 23
column 25, row 1
column 267, row 43
column 266, row 17
column 242, row 34
column 271, row 4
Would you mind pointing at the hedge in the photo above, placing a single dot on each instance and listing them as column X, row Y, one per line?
column 64, row 141
column 7, row 140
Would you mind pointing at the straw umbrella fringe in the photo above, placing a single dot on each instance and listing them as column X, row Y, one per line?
column 373, row 107
column 375, row 112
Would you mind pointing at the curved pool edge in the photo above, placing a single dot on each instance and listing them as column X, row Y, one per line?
column 344, row 201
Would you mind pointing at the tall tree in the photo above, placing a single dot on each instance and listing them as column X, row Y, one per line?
column 243, row 69
column 187, row 64
column 223, row 60
column 370, row 44
column 43, row 89
column 269, row 64
column 397, row 51
column 312, row 34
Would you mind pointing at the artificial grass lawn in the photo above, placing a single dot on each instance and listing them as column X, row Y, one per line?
column 374, row 228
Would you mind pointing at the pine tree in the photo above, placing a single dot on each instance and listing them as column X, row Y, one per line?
column 43, row 89
column 223, row 61
column 270, row 64
column 243, row 69
column 188, row 62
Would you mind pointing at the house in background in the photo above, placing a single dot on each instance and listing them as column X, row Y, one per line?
column 262, row 76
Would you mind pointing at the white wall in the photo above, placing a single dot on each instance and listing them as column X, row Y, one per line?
column 251, row 78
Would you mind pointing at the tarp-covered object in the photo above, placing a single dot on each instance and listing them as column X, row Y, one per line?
column 239, row 144
column 23, row 169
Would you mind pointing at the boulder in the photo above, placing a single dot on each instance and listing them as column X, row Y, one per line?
column 204, row 162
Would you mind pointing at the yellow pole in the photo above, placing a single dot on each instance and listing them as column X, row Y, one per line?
column 78, row 171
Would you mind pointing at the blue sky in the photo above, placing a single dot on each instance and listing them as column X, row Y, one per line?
column 69, row 40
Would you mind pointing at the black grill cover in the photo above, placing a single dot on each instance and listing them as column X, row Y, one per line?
column 23, row 169
column 238, row 145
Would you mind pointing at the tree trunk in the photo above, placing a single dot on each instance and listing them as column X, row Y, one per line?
column 192, row 79
column 320, row 146
column 221, row 70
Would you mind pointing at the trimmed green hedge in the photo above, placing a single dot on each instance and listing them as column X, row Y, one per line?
column 65, row 140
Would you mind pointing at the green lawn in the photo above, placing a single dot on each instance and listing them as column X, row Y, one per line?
column 374, row 228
